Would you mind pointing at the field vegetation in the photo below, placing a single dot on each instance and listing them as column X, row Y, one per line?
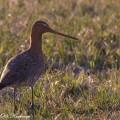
column 82, row 81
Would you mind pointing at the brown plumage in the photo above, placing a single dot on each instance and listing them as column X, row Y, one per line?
column 26, row 68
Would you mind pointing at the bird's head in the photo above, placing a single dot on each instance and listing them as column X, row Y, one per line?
column 41, row 27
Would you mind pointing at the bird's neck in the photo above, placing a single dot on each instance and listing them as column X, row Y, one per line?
column 36, row 43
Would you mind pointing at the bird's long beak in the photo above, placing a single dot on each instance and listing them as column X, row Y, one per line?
column 62, row 34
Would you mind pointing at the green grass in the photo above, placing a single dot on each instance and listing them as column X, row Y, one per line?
column 69, row 92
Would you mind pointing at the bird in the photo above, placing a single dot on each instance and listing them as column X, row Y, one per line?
column 25, row 68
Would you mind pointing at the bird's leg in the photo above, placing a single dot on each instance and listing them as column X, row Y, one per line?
column 32, row 98
column 32, row 101
column 14, row 100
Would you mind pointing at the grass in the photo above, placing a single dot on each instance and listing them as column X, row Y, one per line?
column 84, row 83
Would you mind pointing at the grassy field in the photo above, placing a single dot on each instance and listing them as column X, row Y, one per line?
column 83, row 78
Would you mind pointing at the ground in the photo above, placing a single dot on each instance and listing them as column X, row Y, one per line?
column 83, row 77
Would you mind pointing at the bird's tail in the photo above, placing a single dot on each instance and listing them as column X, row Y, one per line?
column 1, row 86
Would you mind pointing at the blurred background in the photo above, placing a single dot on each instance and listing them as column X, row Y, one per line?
column 95, row 23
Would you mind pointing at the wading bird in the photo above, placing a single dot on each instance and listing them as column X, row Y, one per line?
column 26, row 68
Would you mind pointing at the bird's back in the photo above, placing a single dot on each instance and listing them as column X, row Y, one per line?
column 23, row 69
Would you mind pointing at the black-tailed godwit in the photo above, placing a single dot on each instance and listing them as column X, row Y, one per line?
column 26, row 68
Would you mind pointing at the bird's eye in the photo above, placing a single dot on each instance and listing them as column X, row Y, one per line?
column 45, row 25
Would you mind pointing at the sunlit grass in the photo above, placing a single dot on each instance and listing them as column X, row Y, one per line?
column 84, row 83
